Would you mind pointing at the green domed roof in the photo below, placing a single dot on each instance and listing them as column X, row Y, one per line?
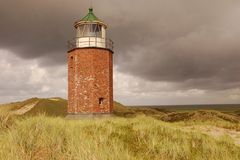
column 90, row 16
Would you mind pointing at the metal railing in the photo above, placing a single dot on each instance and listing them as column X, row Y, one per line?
column 84, row 42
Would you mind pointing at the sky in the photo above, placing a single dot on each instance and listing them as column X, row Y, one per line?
column 167, row 52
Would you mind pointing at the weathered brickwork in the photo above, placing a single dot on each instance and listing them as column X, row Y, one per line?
column 90, row 81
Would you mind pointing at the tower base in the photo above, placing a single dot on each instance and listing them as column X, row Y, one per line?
column 80, row 116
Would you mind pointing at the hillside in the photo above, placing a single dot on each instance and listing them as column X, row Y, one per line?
column 49, row 106
column 34, row 106
column 139, row 138
column 36, row 129
column 58, row 107
column 226, row 108
column 201, row 115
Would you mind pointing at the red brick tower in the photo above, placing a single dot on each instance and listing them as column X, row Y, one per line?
column 90, row 69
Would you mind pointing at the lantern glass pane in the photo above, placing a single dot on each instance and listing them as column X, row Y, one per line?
column 90, row 30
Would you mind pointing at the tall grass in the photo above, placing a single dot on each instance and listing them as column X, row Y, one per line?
column 43, row 138
column 203, row 117
column 216, row 123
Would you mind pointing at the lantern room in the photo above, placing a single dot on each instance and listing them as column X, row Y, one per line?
column 90, row 32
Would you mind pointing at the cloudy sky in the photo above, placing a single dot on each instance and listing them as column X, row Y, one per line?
column 166, row 51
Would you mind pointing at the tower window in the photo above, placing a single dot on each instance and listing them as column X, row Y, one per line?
column 100, row 101
column 81, row 30
column 90, row 30
column 92, row 27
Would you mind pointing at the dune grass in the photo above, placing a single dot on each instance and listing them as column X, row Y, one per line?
column 16, row 105
column 43, row 138
column 50, row 107
column 204, row 117
column 216, row 123
column 135, row 133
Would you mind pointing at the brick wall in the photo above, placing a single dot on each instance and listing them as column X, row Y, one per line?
column 90, row 81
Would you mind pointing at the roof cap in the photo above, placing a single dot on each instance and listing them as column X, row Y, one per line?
column 90, row 16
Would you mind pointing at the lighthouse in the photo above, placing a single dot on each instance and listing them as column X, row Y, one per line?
column 90, row 69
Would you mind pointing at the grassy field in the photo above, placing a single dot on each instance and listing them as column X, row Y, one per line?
column 42, row 133
column 226, row 108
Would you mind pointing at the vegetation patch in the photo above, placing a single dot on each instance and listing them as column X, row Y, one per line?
column 142, row 137
column 134, row 133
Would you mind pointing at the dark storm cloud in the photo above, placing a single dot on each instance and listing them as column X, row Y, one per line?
column 33, row 29
column 190, row 42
